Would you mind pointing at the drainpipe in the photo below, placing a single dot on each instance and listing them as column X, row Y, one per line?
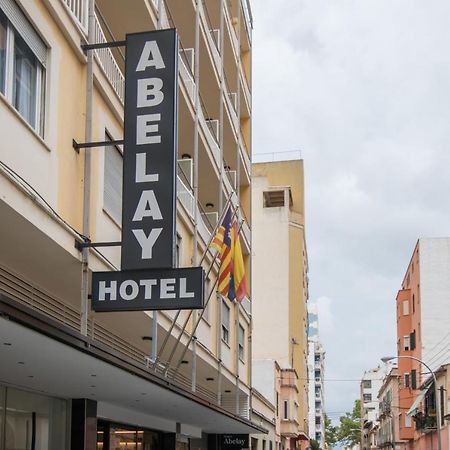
column 218, row 298
column 238, row 183
column 154, row 351
column 195, row 179
column 87, row 172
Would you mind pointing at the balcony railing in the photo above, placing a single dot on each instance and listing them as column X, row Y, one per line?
column 108, row 62
column 79, row 10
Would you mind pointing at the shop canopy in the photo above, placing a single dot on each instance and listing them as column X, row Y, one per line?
column 413, row 410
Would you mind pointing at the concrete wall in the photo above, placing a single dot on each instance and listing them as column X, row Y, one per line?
column 434, row 297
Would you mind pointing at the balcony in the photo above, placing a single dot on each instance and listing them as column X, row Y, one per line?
column 425, row 423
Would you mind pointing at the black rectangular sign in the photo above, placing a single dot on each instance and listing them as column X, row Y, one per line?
column 234, row 441
column 144, row 290
column 150, row 141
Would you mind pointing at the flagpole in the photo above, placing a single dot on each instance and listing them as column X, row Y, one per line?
column 172, row 353
column 199, row 319
column 172, row 326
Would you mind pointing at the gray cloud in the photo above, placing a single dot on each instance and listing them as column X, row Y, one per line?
column 363, row 88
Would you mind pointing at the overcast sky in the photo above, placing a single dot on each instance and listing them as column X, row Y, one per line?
column 362, row 87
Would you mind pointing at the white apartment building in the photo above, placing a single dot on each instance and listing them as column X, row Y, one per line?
column 371, row 383
column 316, row 369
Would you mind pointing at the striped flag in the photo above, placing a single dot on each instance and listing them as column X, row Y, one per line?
column 232, row 282
column 238, row 279
column 223, row 244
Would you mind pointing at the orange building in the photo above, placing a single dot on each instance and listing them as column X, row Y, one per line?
column 423, row 323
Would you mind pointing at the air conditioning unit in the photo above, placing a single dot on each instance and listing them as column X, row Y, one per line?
column 216, row 38
column 186, row 171
column 213, row 125
column 188, row 56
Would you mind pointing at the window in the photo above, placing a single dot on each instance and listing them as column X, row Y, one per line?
column 406, row 343
column 367, row 384
column 412, row 338
column 225, row 322
column 112, row 187
column 206, row 311
column 407, row 421
column 23, row 57
column 318, row 420
column 34, row 418
column 178, row 248
column 413, row 379
column 414, row 303
column 405, row 307
column 367, row 398
column 241, row 340
column 285, row 410
column 273, row 199
column 3, row 33
column 407, row 380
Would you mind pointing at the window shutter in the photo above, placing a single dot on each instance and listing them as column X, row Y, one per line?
column 413, row 379
column 412, row 341
column 25, row 29
column 112, row 200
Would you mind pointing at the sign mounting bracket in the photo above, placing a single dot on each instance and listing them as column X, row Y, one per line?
column 87, row 244
column 87, row 47
column 77, row 145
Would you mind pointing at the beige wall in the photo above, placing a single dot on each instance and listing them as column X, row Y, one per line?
column 279, row 275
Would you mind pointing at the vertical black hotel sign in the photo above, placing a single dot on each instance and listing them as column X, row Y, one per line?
column 150, row 142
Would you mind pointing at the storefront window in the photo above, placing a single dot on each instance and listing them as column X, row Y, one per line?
column 116, row 437
column 34, row 421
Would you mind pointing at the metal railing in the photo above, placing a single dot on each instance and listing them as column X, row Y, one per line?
column 186, row 197
column 79, row 10
column 108, row 63
column 186, row 73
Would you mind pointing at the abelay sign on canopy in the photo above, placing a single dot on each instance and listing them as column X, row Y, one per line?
column 149, row 160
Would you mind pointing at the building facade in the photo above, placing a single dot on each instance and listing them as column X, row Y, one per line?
column 389, row 411
column 316, row 369
column 370, row 386
column 423, row 321
column 70, row 377
column 280, row 286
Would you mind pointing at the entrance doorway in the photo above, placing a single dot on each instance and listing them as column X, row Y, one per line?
column 111, row 436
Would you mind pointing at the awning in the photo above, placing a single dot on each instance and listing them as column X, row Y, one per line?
column 302, row 436
column 60, row 365
column 413, row 410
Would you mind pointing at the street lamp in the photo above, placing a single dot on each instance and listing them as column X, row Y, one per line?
column 436, row 392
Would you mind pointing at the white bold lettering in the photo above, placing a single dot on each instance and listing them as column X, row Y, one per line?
column 144, row 129
column 149, row 92
column 148, row 284
column 111, row 290
column 150, row 57
column 147, row 207
column 147, row 242
column 183, row 292
column 167, row 288
column 141, row 166
column 134, row 290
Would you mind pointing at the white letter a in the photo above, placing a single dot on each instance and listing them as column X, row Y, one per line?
column 147, row 198
column 150, row 57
